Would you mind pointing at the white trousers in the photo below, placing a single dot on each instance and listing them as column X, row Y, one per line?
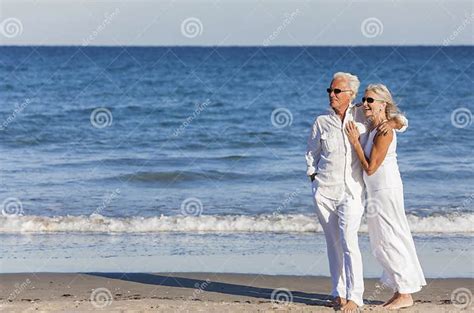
column 340, row 220
column 392, row 243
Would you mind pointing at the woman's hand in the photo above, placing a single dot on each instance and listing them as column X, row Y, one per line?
column 352, row 133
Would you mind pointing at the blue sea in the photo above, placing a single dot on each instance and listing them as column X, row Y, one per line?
column 111, row 155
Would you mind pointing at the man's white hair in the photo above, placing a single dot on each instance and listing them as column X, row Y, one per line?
column 353, row 80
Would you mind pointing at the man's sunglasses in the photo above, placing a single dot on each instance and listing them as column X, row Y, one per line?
column 336, row 90
column 371, row 100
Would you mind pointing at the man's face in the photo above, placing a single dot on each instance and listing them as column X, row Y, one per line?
column 340, row 101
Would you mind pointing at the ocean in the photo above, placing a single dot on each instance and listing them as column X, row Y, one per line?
column 112, row 155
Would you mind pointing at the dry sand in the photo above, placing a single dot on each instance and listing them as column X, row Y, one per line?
column 203, row 292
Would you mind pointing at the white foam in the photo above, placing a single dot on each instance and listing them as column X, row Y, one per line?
column 301, row 223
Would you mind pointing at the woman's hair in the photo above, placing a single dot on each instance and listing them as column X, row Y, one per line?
column 353, row 80
column 391, row 109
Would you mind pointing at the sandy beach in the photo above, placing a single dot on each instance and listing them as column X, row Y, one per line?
column 199, row 292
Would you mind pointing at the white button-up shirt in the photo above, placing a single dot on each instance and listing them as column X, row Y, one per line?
column 332, row 157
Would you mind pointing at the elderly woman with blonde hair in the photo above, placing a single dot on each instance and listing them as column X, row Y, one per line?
column 390, row 237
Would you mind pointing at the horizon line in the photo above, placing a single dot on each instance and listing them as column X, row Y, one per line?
column 234, row 46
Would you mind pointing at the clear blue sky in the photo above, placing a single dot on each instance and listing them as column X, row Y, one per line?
column 225, row 22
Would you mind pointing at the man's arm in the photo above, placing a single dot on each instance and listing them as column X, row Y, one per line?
column 399, row 122
column 313, row 150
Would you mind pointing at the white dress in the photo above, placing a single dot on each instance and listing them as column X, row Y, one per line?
column 390, row 236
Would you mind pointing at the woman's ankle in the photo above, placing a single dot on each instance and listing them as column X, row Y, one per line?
column 404, row 295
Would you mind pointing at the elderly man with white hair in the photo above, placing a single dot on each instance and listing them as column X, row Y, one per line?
column 338, row 187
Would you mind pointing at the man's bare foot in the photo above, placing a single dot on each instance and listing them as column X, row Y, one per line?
column 395, row 295
column 350, row 307
column 401, row 301
column 338, row 302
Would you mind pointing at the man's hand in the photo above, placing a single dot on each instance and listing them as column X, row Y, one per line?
column 352, row 132
column 387, row 127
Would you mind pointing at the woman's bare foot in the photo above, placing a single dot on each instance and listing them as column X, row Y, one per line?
column 401, row 301
column 338, row 302
column 395, row 295
column 350, row 307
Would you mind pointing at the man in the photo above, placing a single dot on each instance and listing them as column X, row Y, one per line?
column 338, row 187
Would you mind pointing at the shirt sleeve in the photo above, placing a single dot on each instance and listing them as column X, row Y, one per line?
column 404, row 121
column 313, row 150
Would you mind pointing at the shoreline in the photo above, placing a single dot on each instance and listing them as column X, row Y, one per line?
column 214, row 292
column 269, row 254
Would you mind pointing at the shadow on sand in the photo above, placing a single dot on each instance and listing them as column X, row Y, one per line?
column 224, row 288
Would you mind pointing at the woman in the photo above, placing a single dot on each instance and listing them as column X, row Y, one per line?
column 390, row 237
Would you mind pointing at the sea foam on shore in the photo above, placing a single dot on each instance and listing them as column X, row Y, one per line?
column 300, row 223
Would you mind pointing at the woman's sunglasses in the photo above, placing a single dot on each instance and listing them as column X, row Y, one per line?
column 336, row 90
column 370, row 100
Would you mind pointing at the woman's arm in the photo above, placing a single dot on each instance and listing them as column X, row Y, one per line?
column 379, row 148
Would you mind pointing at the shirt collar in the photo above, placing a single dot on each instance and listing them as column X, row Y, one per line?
column 351, row 106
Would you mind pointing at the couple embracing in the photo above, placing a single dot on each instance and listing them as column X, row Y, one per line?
column 352, row 163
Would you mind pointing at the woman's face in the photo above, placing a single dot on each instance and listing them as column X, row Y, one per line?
column 376, row 107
